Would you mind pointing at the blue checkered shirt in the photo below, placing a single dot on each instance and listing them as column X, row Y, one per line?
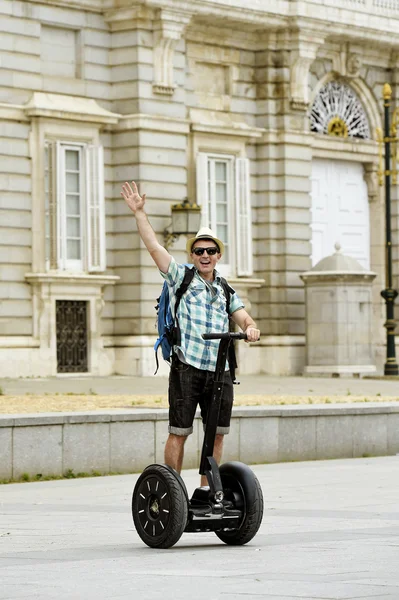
column 202, row 309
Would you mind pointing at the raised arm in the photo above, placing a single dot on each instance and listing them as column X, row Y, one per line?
column 136, row 203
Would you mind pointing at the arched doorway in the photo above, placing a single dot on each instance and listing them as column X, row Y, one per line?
column 340, row 208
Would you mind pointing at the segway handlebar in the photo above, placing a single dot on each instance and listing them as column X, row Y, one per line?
column 225, row 336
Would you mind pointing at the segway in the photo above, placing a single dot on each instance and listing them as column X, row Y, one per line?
column 232, row 503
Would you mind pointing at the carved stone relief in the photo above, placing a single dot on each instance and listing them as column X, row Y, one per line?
column 168, row 30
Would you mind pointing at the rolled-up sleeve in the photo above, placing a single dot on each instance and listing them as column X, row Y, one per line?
column 235, row 303
column 174, row 275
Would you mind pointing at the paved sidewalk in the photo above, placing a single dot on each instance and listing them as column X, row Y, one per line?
column 330, row 531
column 250, row 384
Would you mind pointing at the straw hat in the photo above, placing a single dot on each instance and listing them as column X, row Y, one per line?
column 204, row 234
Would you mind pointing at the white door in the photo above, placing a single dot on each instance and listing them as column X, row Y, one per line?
column 340, row 211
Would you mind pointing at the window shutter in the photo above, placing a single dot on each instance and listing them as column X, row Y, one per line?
column 95, row 206
column 243, row 218
column 203, row 188
column 51, row 208
column 60, row 205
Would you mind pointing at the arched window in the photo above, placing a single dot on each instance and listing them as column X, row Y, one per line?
column 338, row 111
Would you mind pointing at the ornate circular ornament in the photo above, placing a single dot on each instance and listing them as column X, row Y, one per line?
column 337, row 127
column 338, row 111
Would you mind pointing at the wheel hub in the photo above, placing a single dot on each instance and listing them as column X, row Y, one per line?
column 153, row 506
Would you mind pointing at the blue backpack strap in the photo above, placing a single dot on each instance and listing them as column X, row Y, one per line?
column 171, row 334
column 188, row 277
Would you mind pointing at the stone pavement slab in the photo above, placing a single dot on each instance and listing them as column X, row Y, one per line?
column 249, row 384
column 330, row 531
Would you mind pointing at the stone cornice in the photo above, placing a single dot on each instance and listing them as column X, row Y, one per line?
column 152, row 123
column 337, row 15
column 325, row 146
column 347, row 277
column 219, row 123
column 96, row 6
column 247, row 282
column 81, row 279
column 129, row 17
column 248, row 132
column 334, row 17
column 71, row 108
column 273, row 12
column 12, row 112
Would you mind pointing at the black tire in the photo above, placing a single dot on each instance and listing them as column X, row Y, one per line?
column 159, row 506
column 242, row 488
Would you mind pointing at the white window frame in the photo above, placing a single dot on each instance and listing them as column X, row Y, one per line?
column 65, row 263
column 239, row 230
column 92, row 208
column 225, row 268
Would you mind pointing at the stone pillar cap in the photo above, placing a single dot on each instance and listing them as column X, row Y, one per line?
column 338, row 264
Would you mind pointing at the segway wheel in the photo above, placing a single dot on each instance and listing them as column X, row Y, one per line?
column 159, row 507
column 242, row 489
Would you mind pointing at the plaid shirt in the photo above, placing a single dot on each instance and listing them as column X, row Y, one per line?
column 202, row 309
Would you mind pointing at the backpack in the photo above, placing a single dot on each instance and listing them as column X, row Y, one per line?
column 168, row 324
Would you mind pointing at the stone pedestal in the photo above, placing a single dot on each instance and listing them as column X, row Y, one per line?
column 339, row 317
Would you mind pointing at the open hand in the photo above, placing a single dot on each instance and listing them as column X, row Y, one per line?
column 132, row 197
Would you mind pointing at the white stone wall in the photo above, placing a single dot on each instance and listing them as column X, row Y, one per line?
column 15, row 229
column 178, row 80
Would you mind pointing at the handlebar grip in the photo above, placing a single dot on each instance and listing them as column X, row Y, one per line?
column 225, row 336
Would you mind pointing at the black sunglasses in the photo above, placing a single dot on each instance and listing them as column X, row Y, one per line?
column 200, row 251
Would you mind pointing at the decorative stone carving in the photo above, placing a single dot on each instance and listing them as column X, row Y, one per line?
column 371, row 179
column 353, row 65
column 338, row 111
column 304, row 50
column 346, row 63
column 168, row 29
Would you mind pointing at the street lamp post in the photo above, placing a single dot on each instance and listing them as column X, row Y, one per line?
column 389, row 294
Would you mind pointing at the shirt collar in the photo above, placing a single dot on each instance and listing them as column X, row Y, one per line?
column 218, row 277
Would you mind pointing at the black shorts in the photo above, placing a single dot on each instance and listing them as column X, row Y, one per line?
column 190, row 387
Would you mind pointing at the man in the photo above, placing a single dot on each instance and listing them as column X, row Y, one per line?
column 202, row 310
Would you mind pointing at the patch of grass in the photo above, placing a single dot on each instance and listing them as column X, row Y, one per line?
column 69, row 474
column 1, row 391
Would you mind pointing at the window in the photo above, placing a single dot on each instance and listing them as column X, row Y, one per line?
column 74, row 207
column 223, row 191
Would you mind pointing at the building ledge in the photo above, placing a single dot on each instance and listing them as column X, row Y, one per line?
column 221, row 123
column 73, row 108
column 72, row 278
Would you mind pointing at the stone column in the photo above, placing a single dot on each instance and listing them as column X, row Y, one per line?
column 284, row 162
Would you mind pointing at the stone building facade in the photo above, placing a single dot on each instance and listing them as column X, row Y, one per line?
column 264, row 113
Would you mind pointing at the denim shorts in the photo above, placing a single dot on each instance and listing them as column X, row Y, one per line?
column 190, row 387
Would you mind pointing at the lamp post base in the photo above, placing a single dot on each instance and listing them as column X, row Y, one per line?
column 391, row 368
